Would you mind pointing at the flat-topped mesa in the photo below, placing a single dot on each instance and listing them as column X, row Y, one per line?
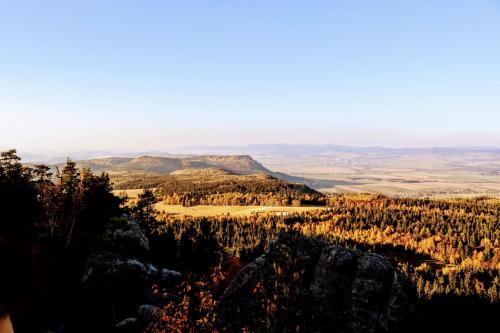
column 149, row 171
column 242, row 164
column 202, row 172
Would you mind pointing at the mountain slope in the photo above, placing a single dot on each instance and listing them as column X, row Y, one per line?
column 219, row 187
column 241, row 164
column 150, row 169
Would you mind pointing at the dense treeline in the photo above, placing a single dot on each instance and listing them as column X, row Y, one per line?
column 461, row 236
column 243, row 199
column 63, row 209
column 449, row 231
column 47, row 223
column 448, row 251
column 136, row 181
column 476, row 274
column 219, row 188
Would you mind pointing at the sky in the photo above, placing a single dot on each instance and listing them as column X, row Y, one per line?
column 132, row 75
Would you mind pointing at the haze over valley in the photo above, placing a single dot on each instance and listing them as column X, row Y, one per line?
column 421, row 172
column 249, row 166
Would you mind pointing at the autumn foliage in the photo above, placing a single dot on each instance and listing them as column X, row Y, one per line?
column 443, row 248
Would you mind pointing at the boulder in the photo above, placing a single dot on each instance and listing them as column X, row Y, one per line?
column 102, row 268
column 363, row 288
column 130, row 240
column 112, row 288
column 151, row 272
column 148, row 313
column 170, row 277
column 116, row 278
column 133, row 267
column 129, row 325
column 305, row 284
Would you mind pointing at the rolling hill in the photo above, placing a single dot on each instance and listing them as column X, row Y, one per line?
column 221, row 187
column 150, row 171
column 241, row 164
column 223, row 181
column 235, row 179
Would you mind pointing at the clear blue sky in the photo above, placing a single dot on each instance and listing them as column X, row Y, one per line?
column 80, row 75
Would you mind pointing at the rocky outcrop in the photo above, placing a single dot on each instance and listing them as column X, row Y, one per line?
column 151, row 272
column 307, row 285
column 129, row 325
column 148, row 313
column 130, row 240
column 363, row 287
column 117, row 280
column 170, row 277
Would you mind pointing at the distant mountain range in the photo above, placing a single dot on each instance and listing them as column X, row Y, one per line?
column 313, row 149
column 331, row 168
column 259, row 149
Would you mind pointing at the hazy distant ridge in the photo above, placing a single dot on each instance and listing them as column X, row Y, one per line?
column 312, row 149
column 256, row 149
column 241, row 164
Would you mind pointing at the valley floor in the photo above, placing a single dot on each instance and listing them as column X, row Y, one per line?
column 208, row 210
column 415, row 176
column 217, row 210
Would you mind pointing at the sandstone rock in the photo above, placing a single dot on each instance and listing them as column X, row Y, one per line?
column 129, row 325
column 132, row 269
column 306, row 283
column 170, row 277
column 151, row 272
column 364, row 288
column 130, row 240
column 115, row 280
column 148, row 313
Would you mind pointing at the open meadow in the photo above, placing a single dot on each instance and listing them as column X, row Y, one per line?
column 217, row 210
column 210, row 210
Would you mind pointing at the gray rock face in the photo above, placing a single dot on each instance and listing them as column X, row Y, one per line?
column 132, row 265
column 116, row 278
column 364, row 287
column 100, row 268
column 170, row 277
column 151, row 272
column 112, row 289
column 319, row 287
column 131, row 240
column 129, row 325
column 148, row 313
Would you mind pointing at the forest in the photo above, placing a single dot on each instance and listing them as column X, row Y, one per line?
column 446, row 250
column 72, row 250
column 47, row 225
column 445, row 247
column 218, row 187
